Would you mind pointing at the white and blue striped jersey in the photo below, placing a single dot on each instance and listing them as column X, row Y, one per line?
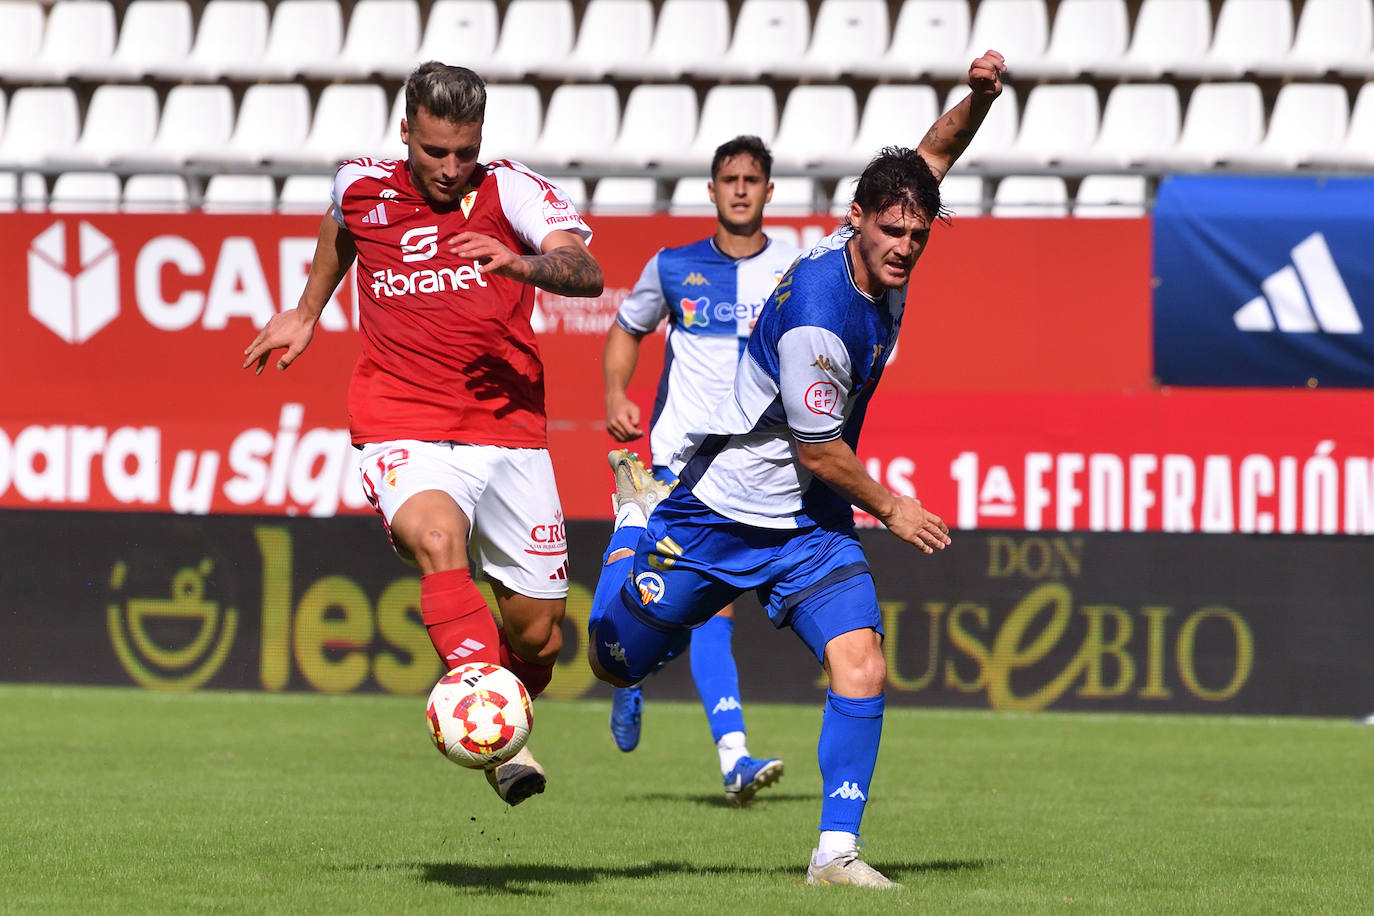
column 710, row 300
column 807, row 375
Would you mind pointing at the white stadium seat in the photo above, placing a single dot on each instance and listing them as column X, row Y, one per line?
column 767, row 32
column 726, row 112
column 273, row 122
column 613, row 33
column 1222, row 119
column 847, row 34
column 1166, row 33
column 686, row 31
column 928, row 39
column 842, row 196
column 1086, row 35
column 963, row 195
column 197, row 121
column 1356, row 150
column 304, row 34
column 459, row 32
column 626, row 195
column 1249, row 34
column 894, row 115
column 1331, row 35
column 514, row 117
column 1058, row 119
column 818, row 124
column 78, row 33
column 85, row 192
column 23, row 191
column 305, row 194
column 348, row 122
column 1306, row 119
column 1019, row 29
column 658, row 120
column 239, row 194
column 1110, row 196
column 153, row 34
column 120, row 120
column 41, row 120
column 156, row 193
column 1140, row 121
column 231, row 35
column 533, row 32
column 793, row 196
column 581, row 121
column 21, row 35
column 383, row 37
column 690, row 198
column 1031, row 196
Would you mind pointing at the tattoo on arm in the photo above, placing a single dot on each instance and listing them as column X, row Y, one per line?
column 569, row 270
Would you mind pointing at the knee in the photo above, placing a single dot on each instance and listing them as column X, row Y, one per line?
column 537, row 638
column 435, row 547
column 862, row 674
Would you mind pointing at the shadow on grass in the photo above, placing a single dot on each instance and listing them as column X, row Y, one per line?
column 717, row 799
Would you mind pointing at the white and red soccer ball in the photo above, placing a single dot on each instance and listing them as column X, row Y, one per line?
column 479, row 715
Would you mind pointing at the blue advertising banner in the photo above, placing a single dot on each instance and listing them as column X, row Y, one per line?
column 1264, row 281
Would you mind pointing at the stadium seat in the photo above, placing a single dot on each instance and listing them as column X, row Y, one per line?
column 793, row 196
column 962, row 195
column 349, row 121
column 1356, row 150
column 156, row 193
column 382, row 40
column 998, row 129
column 1331, row 35
column 1058, row 119
column 305, row 193
column 461, row 32
column 1165, row 33
column 767, row 32
column 1249, row 34
column 239, row 194
column 626, row 195
column 894, row 114
column 727, row 112
column 197, row 121
column 686, row 31
column 928, row 39
column 303, row 34
column 77, row 33
column 41, row 120
column 658, row 119
column 1031, row 195
column 1140, row 121
column 1086, row 35
column 1017, row 28
column 1222, row 119
column 120, row 120
column 581, row 121
column 1306, row 118
column 273, row 122
column 23, row 191
column 690, row 198
column 1111, row 196
column 613, row 33
column 575, row 186
column 847, row 33
column 153, row 34
column 85, row 192
column 389, row 145
column 232, row 34
column 533, row 33
column 842, row 196
column 511, row 128
column 21, row 35
column 818, row 124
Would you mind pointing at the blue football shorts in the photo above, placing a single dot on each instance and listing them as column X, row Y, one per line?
column 691, row 561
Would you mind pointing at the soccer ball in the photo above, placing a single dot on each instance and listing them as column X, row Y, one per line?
column 479, row 715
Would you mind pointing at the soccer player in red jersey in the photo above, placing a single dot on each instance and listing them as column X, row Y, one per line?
column 446, row 402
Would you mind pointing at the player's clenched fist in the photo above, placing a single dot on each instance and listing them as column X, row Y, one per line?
column 985, row 74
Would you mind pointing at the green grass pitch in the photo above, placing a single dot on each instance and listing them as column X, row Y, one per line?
column 118, row 801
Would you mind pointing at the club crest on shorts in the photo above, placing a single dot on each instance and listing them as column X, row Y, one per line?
column 651, row 587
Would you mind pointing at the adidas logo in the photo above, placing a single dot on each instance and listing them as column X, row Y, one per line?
column 467, row 647
column 850, row 791
column 561, row 572
column 724, row 704
column 1305, row 297
column 377, row 216
column 696, row 279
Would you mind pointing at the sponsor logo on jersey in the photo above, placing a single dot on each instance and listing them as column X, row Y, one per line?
column 822, row 397
column 695, row 279
column 558, row 209
column 694, row 312
column 824, row 364
column 73, row 281
column 389, row 194
column 390, row 283
column 849, row 790
column 1324, row 307
column 420, row 244
column 651, row 587
column 548, row 540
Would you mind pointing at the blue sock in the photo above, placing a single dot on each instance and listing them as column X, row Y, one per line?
column 717, row 678
column 848, row 751
column 614, row 574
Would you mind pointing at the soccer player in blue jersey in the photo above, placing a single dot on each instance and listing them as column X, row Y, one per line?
column 710, row 292
column 765, row 488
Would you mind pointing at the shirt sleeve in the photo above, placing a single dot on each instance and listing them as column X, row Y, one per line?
column 814, row 378
column 646, row 306
column 535, row 206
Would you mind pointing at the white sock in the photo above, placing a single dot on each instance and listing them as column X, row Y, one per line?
column 832, row 845
column 630, row 514
column 731, row 748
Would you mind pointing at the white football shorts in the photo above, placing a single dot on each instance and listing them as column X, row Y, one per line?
column 508, row 494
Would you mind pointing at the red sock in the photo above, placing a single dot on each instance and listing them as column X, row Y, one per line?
column 534, row 677
column 459, row 622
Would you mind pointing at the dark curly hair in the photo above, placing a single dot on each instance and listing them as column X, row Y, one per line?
column 898, row 176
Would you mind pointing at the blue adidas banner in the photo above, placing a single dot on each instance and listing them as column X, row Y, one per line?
column 1264, row 281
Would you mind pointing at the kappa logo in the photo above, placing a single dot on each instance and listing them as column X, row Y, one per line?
column 617, row 651
column 420, row 244
column 73, row 280
column 695, row 279
column 824, row 364
column 851, row 791
column 725, row 704
column 1305, row 297
column 694, row 312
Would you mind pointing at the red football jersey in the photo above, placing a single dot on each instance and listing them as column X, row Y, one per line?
column 447, row 353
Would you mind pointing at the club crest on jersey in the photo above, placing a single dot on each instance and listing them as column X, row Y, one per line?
column 466, row 203
column 695, row 279
column 694, row 312
column 651, row 587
